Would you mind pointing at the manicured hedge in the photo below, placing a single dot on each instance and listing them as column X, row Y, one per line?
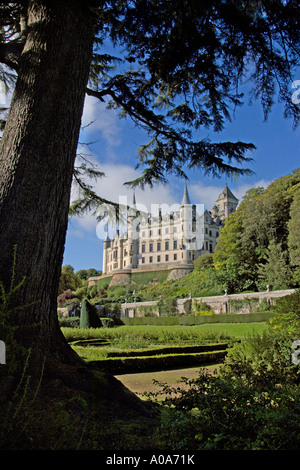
column 125, row 365
column 168, row 350
column 89, row 342
column 69, row 322
column 189, row 320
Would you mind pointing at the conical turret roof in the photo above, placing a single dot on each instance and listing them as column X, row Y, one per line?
column 228, row 193
column 186, row 197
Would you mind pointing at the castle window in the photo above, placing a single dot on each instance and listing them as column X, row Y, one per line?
column 158, row 259
column 143, row 248
column 150, row 233
column 175, row 244
column 166, row 245
column 125, row 263
column 210, row 234
column 210, row 248
column 151, row 247
column 150, row 259
column 217, row 234
column 158, row 246
column 175, row 257
column 143, row 260
column 206, row 231
column 167, row 257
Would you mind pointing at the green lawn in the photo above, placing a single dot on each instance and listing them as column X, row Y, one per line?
column 238, row 330
column 163, row 334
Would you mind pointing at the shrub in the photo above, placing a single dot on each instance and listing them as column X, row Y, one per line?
column 66, row 295
column 289, row 304
column 263, row 359
column 107, row 322
column 218, row 413
column 148, row 310
column 69, row 322
column 88, row 316
column 167, row 307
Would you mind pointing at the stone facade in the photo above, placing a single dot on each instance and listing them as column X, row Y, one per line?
column 170, row 241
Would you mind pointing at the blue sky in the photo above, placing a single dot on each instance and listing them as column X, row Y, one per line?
column 115, row 147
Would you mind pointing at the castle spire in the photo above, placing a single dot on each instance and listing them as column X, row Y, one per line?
column 107, row 234
column 133, row 200
column 186, row 198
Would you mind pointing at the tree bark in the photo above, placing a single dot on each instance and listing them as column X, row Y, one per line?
column 37, row 154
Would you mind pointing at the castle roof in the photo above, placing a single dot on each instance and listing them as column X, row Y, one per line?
column 186, row 198
column 133, row 200
column 228, row 193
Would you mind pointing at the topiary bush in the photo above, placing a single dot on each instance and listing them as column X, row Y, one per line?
column 88, row 316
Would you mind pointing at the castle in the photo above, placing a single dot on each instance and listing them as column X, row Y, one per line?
column 166, row 241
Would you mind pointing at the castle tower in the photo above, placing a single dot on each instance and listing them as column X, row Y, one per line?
column 188, row 218
column 225, row 204
column 133, row 234
column 106, row 246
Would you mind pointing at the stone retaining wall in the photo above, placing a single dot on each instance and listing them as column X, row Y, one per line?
column 219, row 304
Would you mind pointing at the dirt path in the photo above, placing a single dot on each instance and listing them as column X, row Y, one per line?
column 143, row 382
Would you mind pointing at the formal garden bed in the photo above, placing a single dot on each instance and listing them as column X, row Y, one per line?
column 130, row 349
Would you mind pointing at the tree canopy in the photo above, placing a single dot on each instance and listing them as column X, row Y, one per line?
column 178, row 71
column 259, row 243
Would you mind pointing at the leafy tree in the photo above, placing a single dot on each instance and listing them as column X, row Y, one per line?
column 294, row 233
column 234, row 262
column 276, row 271
column 68, row 280
column 178, row 73
column 82, row 273
column 253, row 247
column 68, row 269
column 86, row 273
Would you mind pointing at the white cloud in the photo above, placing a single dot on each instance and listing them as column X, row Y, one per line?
column 111, row 187
column 202, row 194
column 208, row 194
column 100, row 120
column 240, row 191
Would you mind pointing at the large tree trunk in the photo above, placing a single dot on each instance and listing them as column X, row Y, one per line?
column 37, row 155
